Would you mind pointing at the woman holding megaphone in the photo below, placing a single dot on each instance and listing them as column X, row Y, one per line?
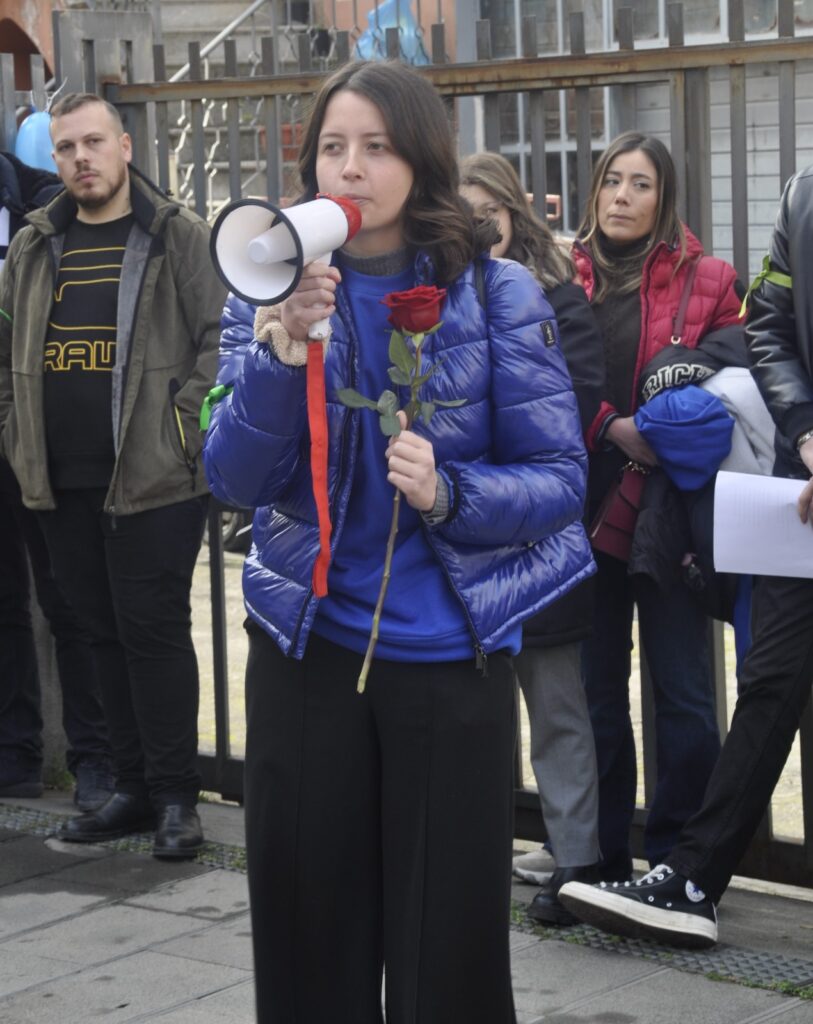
column 362, row 808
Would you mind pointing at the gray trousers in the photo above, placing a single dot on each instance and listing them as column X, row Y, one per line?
column 563, row 754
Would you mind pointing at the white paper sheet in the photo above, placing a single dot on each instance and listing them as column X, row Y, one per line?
column 757, row 529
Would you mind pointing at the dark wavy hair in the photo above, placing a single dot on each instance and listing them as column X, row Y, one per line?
column 436, row 218
column 532, row 241
column 625, row 275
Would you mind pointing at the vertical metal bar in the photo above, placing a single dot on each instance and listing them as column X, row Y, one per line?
column 677, row 106
column 584, row 154
column 491, row 102
column 438, row 36
column 787, row 101
column 38, row 95
column 342, row 47
column 624, row 28
column 716, row 642
column 698, row 156
column 161, row 120
column 392, row 43
column 220, row 665
column 198, row 141
column 739, row 145
column 536, row 119
column 233, row 122
column 806, row 751
column 8, row 120
column 304, row 52
column 273, row 171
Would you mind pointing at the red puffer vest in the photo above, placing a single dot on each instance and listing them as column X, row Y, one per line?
column 713, row 303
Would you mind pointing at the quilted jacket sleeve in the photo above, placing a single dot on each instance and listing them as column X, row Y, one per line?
column 253, row 443
column 533, row 483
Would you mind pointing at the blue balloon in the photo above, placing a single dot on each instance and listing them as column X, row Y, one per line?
column 33, row 145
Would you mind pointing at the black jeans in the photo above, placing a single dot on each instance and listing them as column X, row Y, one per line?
column 378, row 832
column 129, row 578
column 20, row 720
column 774, row 688
column 673, row 630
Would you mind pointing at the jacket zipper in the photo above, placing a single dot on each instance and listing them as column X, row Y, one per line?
column 174, row 388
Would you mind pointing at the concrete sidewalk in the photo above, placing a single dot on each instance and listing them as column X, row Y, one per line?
column 108, row 933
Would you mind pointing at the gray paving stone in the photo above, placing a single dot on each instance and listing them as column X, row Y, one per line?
column 233, row 1005
column 665, row 996
column 546, row 976
column 225, row 942
column 129, row 873
column 216, row 894
column 799, row 1011
column 20, row 969
column 112, row 931
column 35, row 902
column 133, row 988
column 27, row 857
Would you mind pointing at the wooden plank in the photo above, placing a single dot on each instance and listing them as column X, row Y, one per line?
column 677, row 134
column 787, row 98
column 38, row 94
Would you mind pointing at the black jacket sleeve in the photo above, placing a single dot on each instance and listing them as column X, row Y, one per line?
column 582, row 347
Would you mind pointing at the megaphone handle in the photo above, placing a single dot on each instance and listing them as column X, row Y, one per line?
column 320, row 331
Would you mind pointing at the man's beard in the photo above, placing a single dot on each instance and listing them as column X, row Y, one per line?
column 97, row 201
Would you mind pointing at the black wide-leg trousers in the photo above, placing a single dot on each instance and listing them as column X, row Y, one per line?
column 378, row 833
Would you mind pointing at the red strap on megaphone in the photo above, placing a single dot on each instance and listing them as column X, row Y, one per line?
column 317, row 423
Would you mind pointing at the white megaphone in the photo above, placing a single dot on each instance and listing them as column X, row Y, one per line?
column 259, row 250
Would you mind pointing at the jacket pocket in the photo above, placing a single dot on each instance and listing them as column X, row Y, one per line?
column 178, row 430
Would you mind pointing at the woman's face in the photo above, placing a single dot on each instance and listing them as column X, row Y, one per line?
column 485, row 205
column 356, row 159
column 628, row 198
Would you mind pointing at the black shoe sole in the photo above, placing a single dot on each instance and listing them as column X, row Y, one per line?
column 552, row 915
column 175, row 853
column 616, row 922
column 100, row 837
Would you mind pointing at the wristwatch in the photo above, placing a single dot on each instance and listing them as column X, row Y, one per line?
column 802, row 438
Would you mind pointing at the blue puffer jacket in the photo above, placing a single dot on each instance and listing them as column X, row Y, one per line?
column 513, row 542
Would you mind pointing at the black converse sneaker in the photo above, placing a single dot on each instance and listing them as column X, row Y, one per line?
column 662, row 905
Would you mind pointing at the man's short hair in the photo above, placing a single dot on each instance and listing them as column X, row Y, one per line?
column 74, row 100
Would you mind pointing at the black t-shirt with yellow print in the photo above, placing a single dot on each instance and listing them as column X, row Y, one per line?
column 80, row 354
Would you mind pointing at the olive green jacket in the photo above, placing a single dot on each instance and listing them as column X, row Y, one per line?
column 169, row 306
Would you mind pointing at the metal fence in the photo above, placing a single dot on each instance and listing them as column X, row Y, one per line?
column 267, row 102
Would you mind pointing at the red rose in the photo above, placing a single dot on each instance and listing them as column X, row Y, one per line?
column 417, row 310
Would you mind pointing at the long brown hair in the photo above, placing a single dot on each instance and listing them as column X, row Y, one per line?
column 625, row 275
column 532, row 241
column 436, row 218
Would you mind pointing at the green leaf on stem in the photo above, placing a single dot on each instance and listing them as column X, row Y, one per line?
column 400, row 354
column 397, row 376
column 353, row 400
column 424, row 377
column 390, row 425
column 412, row 409
column 451, row 403
column 437, row 327
column 427, row 410
column 387, row 403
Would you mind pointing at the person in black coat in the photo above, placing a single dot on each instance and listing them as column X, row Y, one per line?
column 549, row 665
column 24, row 188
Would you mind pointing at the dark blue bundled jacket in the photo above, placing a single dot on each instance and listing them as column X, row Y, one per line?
column 513, row 541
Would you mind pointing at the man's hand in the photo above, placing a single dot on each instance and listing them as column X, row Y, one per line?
column 623, row 433
column 411, row 460
column 805, row 500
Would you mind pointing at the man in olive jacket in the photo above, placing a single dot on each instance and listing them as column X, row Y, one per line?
column 109, row 328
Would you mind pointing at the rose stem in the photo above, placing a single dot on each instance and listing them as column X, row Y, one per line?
column 396, row 508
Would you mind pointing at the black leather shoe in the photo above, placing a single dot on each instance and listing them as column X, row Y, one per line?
column 122, row 814
column 546, row 907
column 179, row 833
